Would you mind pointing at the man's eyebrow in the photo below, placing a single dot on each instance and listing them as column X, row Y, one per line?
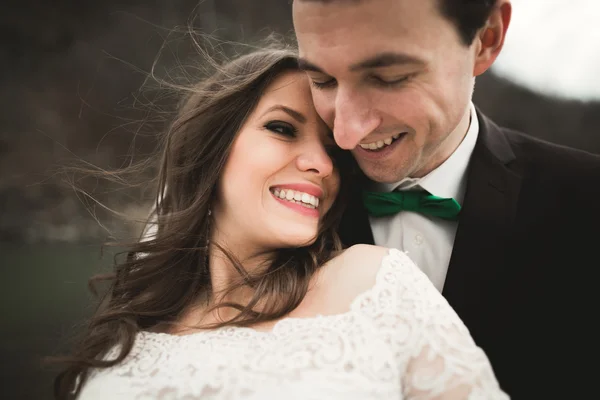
column 305, row 65
column 292, row 113
column 387, row 59
column 381, row 60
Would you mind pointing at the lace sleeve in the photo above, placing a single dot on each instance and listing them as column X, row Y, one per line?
column 444, row 361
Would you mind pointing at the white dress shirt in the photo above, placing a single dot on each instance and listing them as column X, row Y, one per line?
column 429, row 240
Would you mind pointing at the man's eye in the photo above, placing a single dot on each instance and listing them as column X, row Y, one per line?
column 282, row 128
column 388, row 83
column 323, row 85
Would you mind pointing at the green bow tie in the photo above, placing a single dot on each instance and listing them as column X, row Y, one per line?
column 384, row 204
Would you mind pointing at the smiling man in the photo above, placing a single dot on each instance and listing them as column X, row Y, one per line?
column 492, row 216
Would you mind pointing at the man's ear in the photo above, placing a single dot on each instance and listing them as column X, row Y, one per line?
column 490, row 38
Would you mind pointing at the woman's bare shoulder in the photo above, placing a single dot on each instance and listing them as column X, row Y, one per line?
column 365, row 252
column 362, row 258
column 353, row 271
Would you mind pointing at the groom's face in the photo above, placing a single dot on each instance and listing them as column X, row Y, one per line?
column 392, row 78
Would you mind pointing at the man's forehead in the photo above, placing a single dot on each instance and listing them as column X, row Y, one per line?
column 360, row 34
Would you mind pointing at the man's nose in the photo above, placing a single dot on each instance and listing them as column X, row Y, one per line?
column 354, row 119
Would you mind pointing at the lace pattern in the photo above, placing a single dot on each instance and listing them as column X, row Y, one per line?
column 400, row 339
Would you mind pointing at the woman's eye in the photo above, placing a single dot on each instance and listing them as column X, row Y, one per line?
column 282, row 128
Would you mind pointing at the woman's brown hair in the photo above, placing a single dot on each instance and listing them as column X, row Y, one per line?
column 162, row 277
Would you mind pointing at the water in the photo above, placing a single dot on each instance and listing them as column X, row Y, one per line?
column 43, row 295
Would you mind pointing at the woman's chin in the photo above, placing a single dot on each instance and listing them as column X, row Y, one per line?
column 298, row 239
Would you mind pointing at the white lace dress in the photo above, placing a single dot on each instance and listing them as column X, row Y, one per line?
column 400, row 340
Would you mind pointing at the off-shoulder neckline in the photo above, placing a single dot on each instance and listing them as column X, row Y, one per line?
column 387, row 260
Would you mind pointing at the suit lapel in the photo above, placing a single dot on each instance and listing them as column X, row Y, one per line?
column 488, row 211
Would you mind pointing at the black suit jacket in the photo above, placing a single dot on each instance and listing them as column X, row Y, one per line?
column 523, row 262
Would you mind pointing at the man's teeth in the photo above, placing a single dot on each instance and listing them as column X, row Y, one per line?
column 380, row 143
column 295, row 196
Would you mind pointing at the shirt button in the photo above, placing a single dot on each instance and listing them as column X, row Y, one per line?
column 419, row 239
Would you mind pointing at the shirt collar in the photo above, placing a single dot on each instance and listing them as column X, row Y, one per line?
column 449, row 180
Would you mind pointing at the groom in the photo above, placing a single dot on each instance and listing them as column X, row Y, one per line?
column 394, row 80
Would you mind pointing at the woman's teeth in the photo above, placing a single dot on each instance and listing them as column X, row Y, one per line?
column 380, row 143
column 297, row 197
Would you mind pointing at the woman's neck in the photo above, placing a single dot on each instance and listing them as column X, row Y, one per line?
column 229, row 265
column 232, row 257
column 230, row 269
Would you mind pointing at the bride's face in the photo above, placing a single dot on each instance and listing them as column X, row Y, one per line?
column 279, row 180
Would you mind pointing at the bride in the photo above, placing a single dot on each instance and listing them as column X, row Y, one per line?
column 244, row 290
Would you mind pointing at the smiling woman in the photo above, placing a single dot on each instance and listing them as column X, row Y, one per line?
column 246, row 133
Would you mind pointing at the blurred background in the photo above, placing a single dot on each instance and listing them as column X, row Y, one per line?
column 73, row 86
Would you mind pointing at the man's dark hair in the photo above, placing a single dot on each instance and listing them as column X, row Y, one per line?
column 467, row 15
